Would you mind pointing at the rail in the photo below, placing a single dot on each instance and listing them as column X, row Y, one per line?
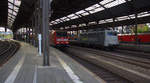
column 7, row 50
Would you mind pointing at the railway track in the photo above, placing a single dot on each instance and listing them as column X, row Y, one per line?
column 106, row 75
column 131, row 61
column 135, row 53
column 134, row 48
column 7, row 50
column 125, row 56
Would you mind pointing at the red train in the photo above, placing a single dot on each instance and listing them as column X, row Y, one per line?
column 59, row 39
column 142, row 38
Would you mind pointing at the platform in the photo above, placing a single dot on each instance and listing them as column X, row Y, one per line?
column 135, row 47
column 26, row 67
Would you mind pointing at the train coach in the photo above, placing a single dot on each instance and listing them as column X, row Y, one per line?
column 103, row 39
column 143, row 38
column 59, row 39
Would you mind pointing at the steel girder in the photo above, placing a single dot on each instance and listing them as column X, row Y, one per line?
column 117, row 23
column 128, row 8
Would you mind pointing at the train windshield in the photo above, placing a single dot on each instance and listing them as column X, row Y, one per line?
column 61, row 34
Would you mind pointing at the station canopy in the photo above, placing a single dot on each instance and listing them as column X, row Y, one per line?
column 3, row 12
column 13, row 8
column 102, row 13
column 60, row 8
column 107, row 12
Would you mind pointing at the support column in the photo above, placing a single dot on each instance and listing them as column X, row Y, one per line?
column 23, row 34
column 122, row 30
column 77, row 32
column 32, row 32
column 33, row 36
column 39, row 26
column 29, row 35
column 136, row 26
column 26, row 35
column 6, row 28
column 35, row 29
column 45, row 27
column 113, row 24
column 15, row 36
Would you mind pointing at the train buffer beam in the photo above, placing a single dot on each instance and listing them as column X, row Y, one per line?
column 26, row 67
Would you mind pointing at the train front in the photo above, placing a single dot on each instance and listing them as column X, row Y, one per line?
column 61, row 39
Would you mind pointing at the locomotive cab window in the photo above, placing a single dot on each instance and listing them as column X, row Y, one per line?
column 61, row 34
column 112, row 33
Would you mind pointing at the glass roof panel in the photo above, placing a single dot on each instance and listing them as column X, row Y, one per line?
column 109, row 20
column 123, row 18
column 15, row 13
column 92, row 7
column 102, row 21
column 132, row 16
column 84, row 14
column 74, row 17
column 143, row 14
column 71, row 15
column 80, row 12
column 95, row 8
column 12, row 7
column 114, row 3
column 105, row 1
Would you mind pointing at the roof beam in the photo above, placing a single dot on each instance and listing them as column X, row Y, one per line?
column 117, row 23
column 124, row 10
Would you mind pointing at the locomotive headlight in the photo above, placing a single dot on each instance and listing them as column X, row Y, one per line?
column 67, row 42
column 57, row 42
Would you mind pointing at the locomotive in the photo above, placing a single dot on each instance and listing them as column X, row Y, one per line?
column 103, row 39
column 59, row 39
